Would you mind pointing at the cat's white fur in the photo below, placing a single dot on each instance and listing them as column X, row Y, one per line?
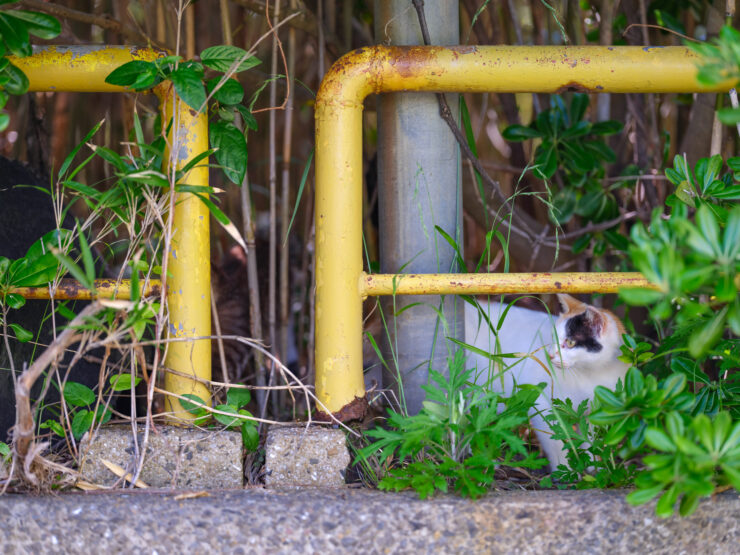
column 572, row 372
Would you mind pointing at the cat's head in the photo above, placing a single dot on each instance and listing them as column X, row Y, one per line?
column 588, row 337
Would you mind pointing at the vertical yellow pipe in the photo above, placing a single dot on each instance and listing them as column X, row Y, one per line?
column 84, row 69
column 189, row 267
column 338, row 255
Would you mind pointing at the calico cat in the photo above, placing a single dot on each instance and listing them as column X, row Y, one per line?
column 575, row 353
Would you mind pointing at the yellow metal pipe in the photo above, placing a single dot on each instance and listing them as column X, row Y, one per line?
column 72, row 289
column 498, row 284
column 78, row 68
column 380, row 69
column 84, row 69
column 189, row 287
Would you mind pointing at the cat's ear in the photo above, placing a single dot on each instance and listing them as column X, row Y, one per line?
column 569, row 304
column 595, row 319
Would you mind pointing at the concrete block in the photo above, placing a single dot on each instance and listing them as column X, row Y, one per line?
column 300, row 456
column 181, row 458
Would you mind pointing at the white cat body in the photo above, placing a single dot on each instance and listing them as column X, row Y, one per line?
column 584, row 356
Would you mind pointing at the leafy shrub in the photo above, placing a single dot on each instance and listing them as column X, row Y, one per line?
column 570, row 158
column 458, row 438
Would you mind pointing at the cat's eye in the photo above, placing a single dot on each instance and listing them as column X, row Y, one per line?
column 570, row 343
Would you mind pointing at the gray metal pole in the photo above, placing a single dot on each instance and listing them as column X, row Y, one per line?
column 419, row 188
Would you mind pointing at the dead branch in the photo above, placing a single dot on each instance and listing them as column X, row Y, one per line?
column 24, row 448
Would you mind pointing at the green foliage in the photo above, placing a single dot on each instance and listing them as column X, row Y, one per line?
column 16, row 28
column 227, row 94
column 592, row 461
column 720, row 64
column 5, row 453
column 570, row 156
column 457, row 439
column 684, row 454
column 694, row 457
column 693, row 261
column 36, row 268
column 236, row 399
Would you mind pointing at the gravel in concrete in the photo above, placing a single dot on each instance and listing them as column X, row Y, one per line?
column 301, row 456
column 360, row 521
column 176, row 457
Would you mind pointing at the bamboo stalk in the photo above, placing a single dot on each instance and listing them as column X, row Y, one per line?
column 272, row 262
column 285, row 198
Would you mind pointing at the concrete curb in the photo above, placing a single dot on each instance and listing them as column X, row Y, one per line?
column 359, row 521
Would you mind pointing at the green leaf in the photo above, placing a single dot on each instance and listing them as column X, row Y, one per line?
column 250, row 436
column 640, row 296
column 189, row 87
column 658, row 439
column 231, row 150
column 519, row 133
column 578, row 130
column 634, row 383
column 689, row 503
column 664, row 507
column 731, row 236
column 578, row 106
column 729, row 116
column 238, row 397
column 15, row 301
column 54, row 426
column 82, row 422
column 608, row 127
column 192, row 408
column 607, row 397
column 563, row 205
column 78, row 394
column 70, row 157
column 707, row 223
column 222, row 57
column 38, row 24
column 641, row 496
column 34, row 272
column 299, row 194
column 249, row 120
column 21, row 333
column 122, row 382
column 75, row 270
column 127, row 74
column 701, row 341
column 17, row 82
column 229, row 93
column 227, row 421
column 15, row 35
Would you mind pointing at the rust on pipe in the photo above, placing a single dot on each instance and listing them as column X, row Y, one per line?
column 71, row 289
column 497, row 284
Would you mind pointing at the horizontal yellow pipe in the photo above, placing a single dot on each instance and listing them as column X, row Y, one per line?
column 497, row 284
column 382, row 69
column 72, row 289
column 78, row 68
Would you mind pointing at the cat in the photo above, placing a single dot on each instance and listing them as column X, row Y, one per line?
column 575, row 353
